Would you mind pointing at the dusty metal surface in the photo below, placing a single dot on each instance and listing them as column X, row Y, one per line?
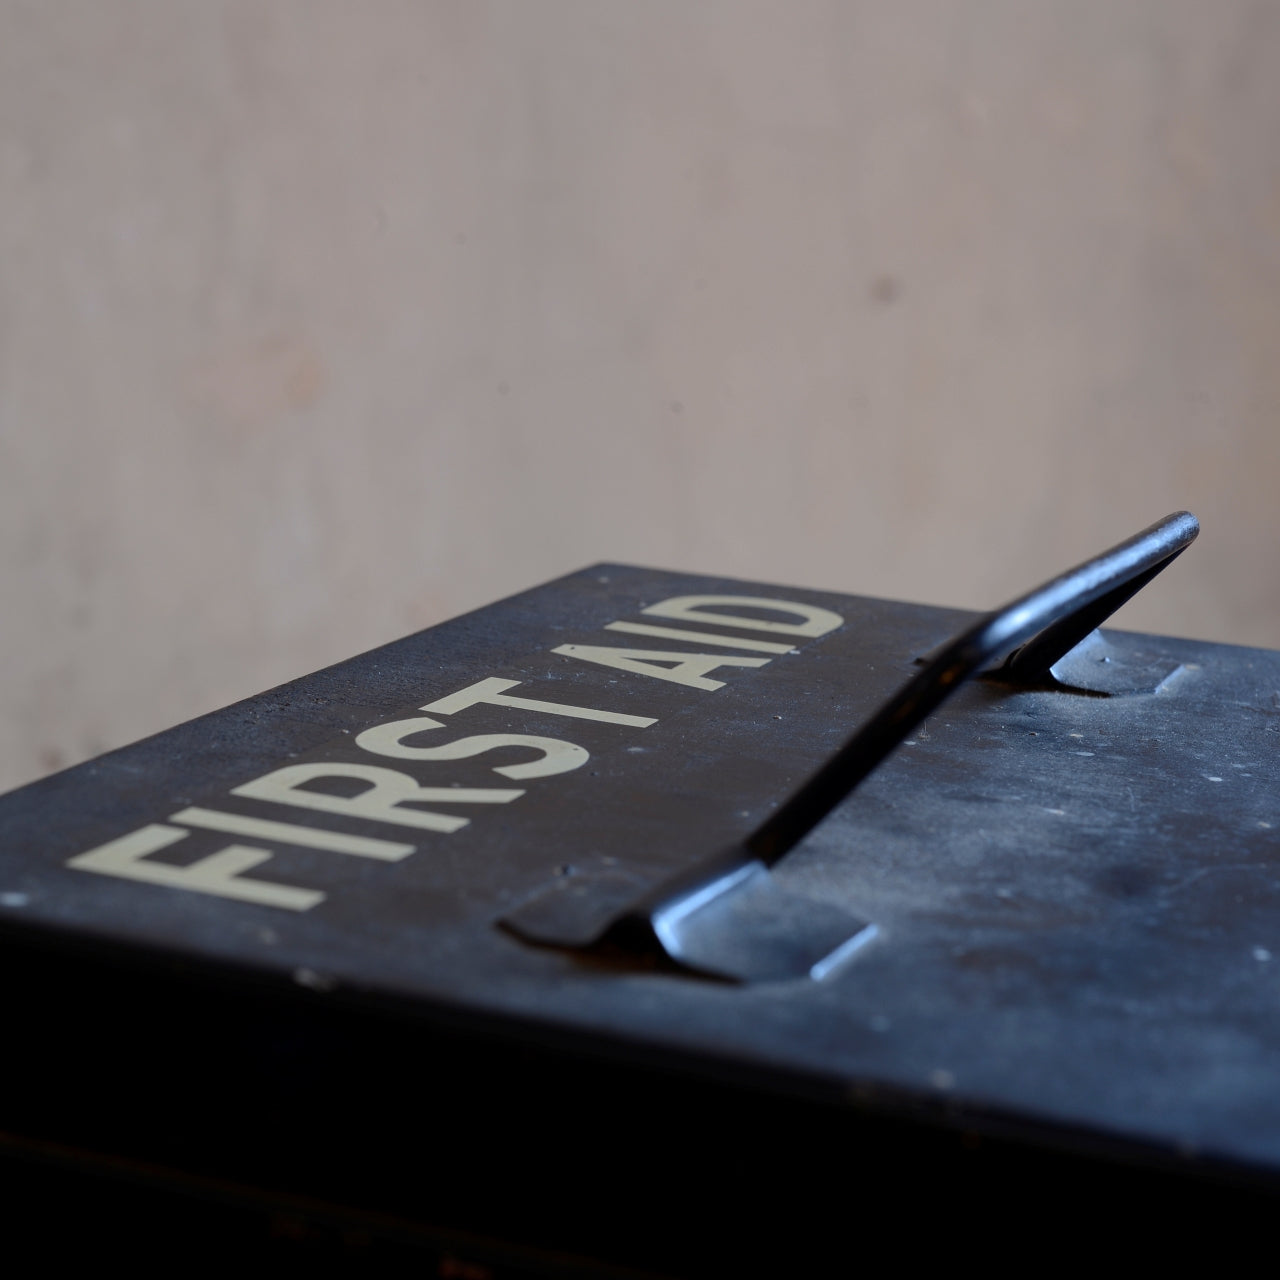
column 1075, row 899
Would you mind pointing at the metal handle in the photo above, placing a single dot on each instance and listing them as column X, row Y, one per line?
column 725, row 915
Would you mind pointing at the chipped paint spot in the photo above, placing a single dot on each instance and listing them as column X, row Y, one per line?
column 312, row 980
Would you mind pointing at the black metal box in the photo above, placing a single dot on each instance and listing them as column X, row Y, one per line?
column 358, row 963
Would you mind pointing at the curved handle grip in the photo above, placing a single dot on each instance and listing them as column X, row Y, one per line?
column 1046, row 623
column 725, row 915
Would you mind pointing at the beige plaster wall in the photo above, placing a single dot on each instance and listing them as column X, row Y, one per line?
column 321, row 321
